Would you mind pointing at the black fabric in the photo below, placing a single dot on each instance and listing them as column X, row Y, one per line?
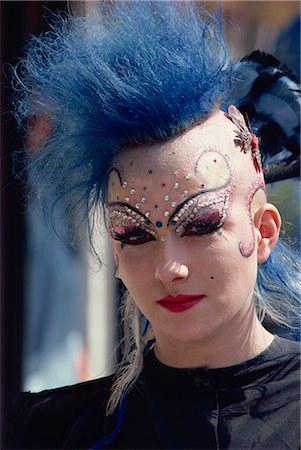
column 252, row 405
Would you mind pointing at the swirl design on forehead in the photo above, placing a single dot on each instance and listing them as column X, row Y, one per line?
column 213, row 170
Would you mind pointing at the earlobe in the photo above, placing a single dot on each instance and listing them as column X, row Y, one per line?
column 267, row 223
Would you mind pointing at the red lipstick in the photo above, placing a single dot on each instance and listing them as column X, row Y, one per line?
column 180, row 303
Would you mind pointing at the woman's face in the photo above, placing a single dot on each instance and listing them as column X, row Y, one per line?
column 183, row 236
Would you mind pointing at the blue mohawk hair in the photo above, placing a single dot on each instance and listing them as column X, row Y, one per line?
column 134, row 72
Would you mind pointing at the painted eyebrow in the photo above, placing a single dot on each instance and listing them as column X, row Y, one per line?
column 181, row 205
column 127, row 206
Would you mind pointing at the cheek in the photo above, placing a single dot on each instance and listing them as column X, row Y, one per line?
column 134, row 263
column 229, row 269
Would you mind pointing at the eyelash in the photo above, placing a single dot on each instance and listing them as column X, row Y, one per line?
column 201, row 228
column 210, row 223
column 134, row 237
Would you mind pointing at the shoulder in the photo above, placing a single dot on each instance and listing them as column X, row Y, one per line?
column 45, row 419
column 287, row 351
column 286, row 346
column 284, row 359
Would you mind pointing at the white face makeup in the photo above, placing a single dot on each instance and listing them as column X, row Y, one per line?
column 180, row 215
column 193, row 195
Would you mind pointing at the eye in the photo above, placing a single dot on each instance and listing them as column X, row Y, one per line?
column 204, row 224
column 134, row 237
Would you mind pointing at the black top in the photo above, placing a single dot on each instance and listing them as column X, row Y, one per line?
column 252, row 405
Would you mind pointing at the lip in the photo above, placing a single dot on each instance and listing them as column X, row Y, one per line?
column 180, row 303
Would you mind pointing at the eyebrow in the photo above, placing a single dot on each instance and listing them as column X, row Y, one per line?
column 181, row 205
column 126, row 205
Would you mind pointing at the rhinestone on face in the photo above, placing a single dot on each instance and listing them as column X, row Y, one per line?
column 176, row 172
column 188, row 176
column 163, row 238
column 166, row 213
column 127, row 199
column 132, row 191
column 166, row 198
column 173, row 204
column 159, row 224
column 185, row 193
column 124, row 184
column 176, row 186
column 143, row 200
column 147, row 214
column 137, row 205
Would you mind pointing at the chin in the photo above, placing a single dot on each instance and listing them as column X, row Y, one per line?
column 190, row 334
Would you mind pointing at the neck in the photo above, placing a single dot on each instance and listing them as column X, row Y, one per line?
column 233, row 345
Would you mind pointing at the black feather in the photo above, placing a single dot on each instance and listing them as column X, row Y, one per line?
column 268, row 93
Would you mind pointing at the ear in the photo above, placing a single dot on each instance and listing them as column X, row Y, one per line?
column 267, row 223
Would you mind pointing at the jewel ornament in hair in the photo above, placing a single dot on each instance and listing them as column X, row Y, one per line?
column 248, row 140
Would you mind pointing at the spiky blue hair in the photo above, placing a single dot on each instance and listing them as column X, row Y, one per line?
column 131, row 72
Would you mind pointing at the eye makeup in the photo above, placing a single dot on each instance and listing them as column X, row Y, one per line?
column 134, row 236
column 129, row 226
column 198, row 216
column 193, row 217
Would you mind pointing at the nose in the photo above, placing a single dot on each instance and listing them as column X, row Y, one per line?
column 170, row 268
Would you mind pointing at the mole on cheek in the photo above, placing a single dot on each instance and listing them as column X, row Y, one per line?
column 212, row 278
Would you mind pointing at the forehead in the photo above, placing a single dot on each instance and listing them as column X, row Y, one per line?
column 217, row 133
column 197, row 159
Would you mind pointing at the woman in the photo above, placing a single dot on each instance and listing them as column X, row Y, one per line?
column 137, row 108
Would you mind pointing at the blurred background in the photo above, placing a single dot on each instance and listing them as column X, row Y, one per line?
column 58, row 311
